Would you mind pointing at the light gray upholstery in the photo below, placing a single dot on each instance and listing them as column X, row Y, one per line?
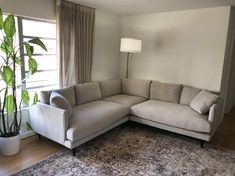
column 49, row 121
column 165, row 92
column 187, row 95
column 61, row 102
column 203, row 101
column 136, row 87
column 110, row 87
column 126, row 100
column 91, row 117
column 67, row 92
column 172, row 114
column 87, row 92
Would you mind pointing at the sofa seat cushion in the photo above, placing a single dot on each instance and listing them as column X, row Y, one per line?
column 90, row 117
column 126, row 100
column 176, row 115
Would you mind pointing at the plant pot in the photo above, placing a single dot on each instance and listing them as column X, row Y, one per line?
column 9, row 145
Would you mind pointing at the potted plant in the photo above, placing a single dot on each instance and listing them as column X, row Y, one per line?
column 11, row 103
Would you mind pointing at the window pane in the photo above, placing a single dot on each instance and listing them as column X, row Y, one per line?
column 44, row 62
column 39, row 79
column 49, row 43
column 46, row 77
column 39, row 29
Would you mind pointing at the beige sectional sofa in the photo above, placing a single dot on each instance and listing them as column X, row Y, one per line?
column 100, row 106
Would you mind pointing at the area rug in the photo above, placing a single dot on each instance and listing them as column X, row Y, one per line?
column 136, row 150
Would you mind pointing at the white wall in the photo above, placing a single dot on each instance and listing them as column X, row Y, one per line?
column 44, row 9
column 179, row 47
column 106, row 58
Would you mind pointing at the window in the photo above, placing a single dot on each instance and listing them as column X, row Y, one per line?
column 46, row 76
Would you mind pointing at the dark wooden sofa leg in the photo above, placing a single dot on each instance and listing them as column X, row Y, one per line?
column 74, row 151
column 202, row 143
column 39, row 137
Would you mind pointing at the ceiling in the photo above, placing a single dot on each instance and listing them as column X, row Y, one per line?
column 134, row 7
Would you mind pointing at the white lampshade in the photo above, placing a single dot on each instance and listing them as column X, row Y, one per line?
column 130, row 45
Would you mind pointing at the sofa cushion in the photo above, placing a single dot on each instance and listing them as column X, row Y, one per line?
column 165, row 92
column 87, row 92
column 136, row 87
column 110, row 87
column 187, row 95
column 203, row 101
column 61, row 102
column 172, row 114
column 67, row 92
column 126, row 100
column 90, row 117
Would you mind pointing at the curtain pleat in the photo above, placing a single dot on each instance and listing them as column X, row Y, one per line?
column 75, row 33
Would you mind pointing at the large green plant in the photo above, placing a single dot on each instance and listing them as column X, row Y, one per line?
column 10, row 109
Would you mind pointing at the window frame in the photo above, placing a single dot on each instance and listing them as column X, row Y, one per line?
column 22, row 54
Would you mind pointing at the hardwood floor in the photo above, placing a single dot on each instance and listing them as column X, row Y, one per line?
column 34, row 150
column 225, row 135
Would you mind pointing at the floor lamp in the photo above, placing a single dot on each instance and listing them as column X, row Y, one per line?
column 130, row 45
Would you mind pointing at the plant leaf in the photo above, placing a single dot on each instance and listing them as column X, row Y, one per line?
column 10, row 103
column 29, row 49
column 35, row 99
column 1, row 19
column 18, row 61
column 28, row 126
column 25, row 97
column 9, row 26
column 38, row 42
column 7, row 75
column 33, row 66
column 7, row 45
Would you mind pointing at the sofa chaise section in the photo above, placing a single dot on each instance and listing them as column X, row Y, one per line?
column 169, row 109
column 172, row 114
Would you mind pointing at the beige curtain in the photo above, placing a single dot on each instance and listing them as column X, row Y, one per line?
column 75, row 30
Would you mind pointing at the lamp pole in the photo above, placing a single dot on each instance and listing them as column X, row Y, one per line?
column 127, row 64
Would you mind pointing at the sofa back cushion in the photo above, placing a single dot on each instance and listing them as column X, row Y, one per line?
column 67, row 92
column 110, row 87
column 187, row 95
column 87, row 92
column 165, row 92
column 136, row 87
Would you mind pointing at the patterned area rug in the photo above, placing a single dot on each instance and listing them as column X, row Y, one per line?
column 137, row 150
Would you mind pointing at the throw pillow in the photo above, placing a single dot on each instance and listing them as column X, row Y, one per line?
column 203, row 101
column 61, row 102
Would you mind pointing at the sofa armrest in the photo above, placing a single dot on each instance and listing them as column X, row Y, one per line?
column 50, row 122
column 215, row 114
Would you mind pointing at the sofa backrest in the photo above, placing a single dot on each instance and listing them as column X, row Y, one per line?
column 87, row 92
column 187, row 95
column 67, row 92
column 136, row 87
column 165, row 92
column 110, row 87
